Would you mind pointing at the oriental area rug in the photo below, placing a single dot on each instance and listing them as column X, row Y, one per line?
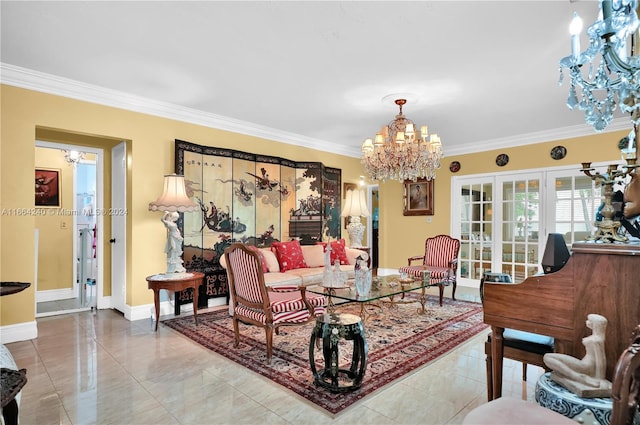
column 399, row 341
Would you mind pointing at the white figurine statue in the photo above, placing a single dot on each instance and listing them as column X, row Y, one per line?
column 327, row 274
column 173, row 248
column 585, row 377
column 339, row 277
column 362, row 274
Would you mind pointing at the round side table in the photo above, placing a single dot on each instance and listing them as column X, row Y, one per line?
column 588, row 411
column 331, row 328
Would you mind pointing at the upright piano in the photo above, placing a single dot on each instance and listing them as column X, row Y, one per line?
column 598, row 278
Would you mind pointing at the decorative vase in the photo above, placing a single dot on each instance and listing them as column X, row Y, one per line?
column 363, row 282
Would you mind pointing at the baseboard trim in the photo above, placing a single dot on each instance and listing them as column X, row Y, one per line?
column 54, row 295
column 18, row 332
column 147, row 311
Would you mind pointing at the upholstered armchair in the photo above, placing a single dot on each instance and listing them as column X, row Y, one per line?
column 254, row 303
column 441, row 259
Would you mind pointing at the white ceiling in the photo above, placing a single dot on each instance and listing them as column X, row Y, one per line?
column 484, row 74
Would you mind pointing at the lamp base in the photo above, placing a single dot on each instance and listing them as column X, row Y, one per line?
column 355, row 229
column 173, row 248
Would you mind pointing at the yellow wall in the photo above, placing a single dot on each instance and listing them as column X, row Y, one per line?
column 27, row 115
column 402, row 237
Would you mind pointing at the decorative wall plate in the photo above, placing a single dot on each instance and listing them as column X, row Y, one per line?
column 454, row 167
column 558, row 152
column 502, row 159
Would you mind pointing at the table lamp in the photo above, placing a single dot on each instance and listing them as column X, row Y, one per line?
column 355, row 206
column 174, row 199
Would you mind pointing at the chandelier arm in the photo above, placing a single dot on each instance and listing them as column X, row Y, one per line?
column 614, row 61
column 614, row 64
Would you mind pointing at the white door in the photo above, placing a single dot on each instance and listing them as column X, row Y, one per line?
column 522, row 229
column 118, row 226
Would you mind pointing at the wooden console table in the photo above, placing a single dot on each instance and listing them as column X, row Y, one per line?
column 175, row 282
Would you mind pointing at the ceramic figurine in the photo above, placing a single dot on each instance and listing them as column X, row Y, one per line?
column 585, row 377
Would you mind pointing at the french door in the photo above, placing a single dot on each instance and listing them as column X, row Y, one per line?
column 475, row 230
column 503, row 220
column 521, row 225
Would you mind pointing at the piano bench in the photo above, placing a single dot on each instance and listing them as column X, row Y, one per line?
column 525, row 347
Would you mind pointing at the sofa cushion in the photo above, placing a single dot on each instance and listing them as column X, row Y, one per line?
column 309, row 275
column 353, row 253
column 313, row 255
column 275, row 279
column 337, row 251
column 271, row 260
column 289, row 255
column 348, row 269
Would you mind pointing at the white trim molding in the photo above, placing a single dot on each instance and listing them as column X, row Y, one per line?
column 38, row 81
column 46, row 83
column 18, row 332
column 54, row 295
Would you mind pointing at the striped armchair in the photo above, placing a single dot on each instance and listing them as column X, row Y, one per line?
column 441, row 259
column 254, row 303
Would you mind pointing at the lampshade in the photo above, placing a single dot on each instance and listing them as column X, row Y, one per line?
column 355, row 204
column 174, row 197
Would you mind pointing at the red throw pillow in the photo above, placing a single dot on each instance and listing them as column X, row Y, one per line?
column 337, row 251
column 289, row 255
column 263, row 260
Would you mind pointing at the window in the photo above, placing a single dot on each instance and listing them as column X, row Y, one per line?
column 502, row 220
column 576, row 202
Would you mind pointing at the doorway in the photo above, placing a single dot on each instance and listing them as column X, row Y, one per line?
column 67, row 257
column 373, row 224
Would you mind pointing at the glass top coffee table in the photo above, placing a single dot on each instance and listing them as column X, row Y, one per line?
column 382, row 287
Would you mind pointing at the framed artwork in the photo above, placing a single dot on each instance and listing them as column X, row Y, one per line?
column 47, row 191
column 502, row 160
column 418, row 197
column 558, row 152
column 345, row 187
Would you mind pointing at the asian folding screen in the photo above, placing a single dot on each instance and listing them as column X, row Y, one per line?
column 254, row 199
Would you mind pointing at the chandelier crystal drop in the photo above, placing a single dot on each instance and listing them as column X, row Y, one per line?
column 401, row 152
column 612, row 76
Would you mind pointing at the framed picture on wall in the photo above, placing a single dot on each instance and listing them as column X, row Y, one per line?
column 47, row 189
column 418, row 197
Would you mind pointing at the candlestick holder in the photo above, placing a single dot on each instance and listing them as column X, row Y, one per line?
column 607, row 228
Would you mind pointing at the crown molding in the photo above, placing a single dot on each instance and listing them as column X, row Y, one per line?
column 33, row 80
column 549, row 135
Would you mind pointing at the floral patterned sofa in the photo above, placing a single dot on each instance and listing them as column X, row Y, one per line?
column 291, row 264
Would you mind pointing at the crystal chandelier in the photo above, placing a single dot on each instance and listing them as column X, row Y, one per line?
column 73, row 157
column 400, row 152
column 613, row 76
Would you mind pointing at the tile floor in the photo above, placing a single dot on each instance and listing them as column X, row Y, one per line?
column 71, row 305
column 96, row 367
